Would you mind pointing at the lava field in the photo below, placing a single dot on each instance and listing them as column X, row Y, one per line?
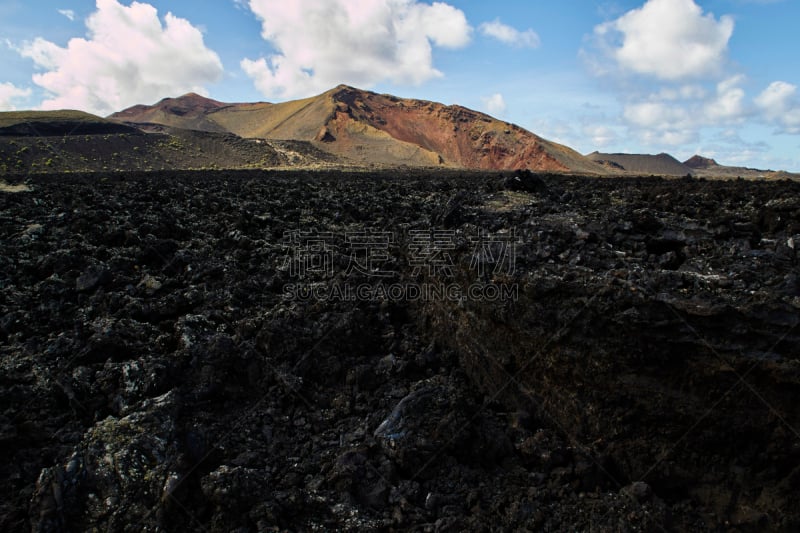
column 398, row 350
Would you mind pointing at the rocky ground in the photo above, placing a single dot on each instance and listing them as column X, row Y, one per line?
column 162, row 150
column 175, row 356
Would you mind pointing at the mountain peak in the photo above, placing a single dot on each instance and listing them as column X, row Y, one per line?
column 189, row 100
column 698, row 161
column 187, row 111
column 348, row 92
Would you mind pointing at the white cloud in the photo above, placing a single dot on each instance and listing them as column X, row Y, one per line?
column 658, row 121
column 358, row 42
column 668, row 39
column 684, row 92
column 667, row 63
column 728, row 104
column 9, row 93
column 669, row 137
column 70, row 14
column 674, row 116
column 128, row 57
column 777, row 98
column 600, row 135
column 781, row 106
column 495, row 104
column 556, row 130
column 728, row 148
column 510, row 35
column 658, row 115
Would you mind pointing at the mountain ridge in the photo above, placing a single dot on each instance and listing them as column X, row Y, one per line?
column 660, row 164
column 370, row 128
column 188, row 110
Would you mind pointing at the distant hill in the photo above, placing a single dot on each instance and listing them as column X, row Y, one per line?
column 708, row 168
column 77, row 142
column 187, row 112
column 658, row 165
column 700, row 162
column 369, row 128
column 50, row 123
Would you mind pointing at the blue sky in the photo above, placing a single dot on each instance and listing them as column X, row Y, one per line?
column 715, row 77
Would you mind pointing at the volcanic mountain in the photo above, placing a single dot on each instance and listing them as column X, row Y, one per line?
column 699, row 162
column 369, row 128
column 187, row 112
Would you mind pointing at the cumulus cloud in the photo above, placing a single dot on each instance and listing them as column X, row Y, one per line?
column 729, row 102
column 683, row 92
column 673, row 116
column 667, row 62
column 557, row 130
column 509, row 35
column 667, row 39
column 777, row 99
column 9, row 93
column 728, row 147
column 70, row 14
column 600, row 135
column 359, row 42
column 495, row 104
column 668, row 138
column 781, row 106
column 128, row 57
column 667, row 59
column 657, row 115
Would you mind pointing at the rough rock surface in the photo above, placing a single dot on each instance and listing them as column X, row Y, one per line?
column 157, row 375
column 163, row 149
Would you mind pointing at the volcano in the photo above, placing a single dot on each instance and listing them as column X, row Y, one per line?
column 374, row 129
